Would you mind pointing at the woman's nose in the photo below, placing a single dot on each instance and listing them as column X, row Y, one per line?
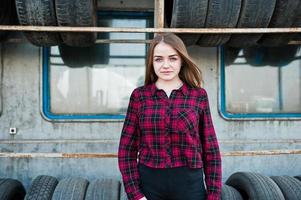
column 166, row 64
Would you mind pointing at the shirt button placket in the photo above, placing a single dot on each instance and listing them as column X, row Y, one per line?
column 168, row 150
column 168, row 131
column 167, row 126
column 168, row 111
column 168, row 161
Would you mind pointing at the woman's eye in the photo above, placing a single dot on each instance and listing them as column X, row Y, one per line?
column 173, row 59
column 158, row 59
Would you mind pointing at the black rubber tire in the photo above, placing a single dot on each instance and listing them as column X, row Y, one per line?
column 272, row 56
column 290, row 187
column 103, row 189
column 70, row 189
column 253, row 14
column 7, row 16
column 283, row 17
column 11, row 189
column 230, row 193
column 76, row 57
column 221, row 14
column 298, row 177
column 38, row 13
column 77, row 13
column 186, row 14
column 297, row 22
column 254, row 186
column 230, row 54
column 42, row 188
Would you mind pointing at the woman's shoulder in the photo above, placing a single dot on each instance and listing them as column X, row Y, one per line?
column 199, row 91
column 143, row 88
column 140, row 90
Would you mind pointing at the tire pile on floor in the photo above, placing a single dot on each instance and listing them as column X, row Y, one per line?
column 254, row 186
column 49, row 188
column 239, row 186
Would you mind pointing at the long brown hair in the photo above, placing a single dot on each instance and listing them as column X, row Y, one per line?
column 189, row 73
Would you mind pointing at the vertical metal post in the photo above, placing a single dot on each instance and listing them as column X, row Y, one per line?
column 280, row 89
column 159, row 14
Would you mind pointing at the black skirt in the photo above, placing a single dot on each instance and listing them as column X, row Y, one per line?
column 178, row 183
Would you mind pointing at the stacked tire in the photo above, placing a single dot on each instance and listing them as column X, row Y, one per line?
column 11, row 189
column 75, row 13
column 186, row 14
column 255, row 186
column 234, row 14
column 42, row 188
column 178, row 14
column 58, row 13
column 7, row 16
column 239, row 186
column 75, row 188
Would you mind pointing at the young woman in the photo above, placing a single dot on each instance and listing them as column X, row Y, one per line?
column 168, row 140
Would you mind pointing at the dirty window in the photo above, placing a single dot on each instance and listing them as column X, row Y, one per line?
column 98, row 83
column 261, row 80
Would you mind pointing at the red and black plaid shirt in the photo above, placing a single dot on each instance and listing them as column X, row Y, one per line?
column 164, row 132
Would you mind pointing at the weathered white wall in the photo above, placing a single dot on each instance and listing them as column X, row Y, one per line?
column 21, row 109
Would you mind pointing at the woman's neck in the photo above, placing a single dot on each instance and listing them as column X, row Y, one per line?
column 169, row 85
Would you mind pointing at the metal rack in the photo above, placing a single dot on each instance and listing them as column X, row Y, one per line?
column 159, row 27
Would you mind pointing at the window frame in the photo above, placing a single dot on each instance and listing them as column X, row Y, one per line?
column 1, row 78
column 243, row 116
column 45, row 81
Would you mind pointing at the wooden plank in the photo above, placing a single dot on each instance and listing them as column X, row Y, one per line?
column 262, row 153
column 150, row 30
column 159, row 14
column 57, row 155
column 114, row 155
column 108, row 141
column 122, row 41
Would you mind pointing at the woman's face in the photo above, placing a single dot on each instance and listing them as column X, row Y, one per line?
column 167, row 62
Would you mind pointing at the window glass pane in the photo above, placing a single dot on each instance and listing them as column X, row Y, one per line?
column 263, row 80
column 93, row 90
column 100, row 79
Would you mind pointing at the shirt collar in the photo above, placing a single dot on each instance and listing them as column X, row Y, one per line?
column 183, row 88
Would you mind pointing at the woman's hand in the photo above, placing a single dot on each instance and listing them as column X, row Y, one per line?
column 143, row 198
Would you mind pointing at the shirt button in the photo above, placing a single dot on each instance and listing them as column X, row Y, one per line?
column 167, row 129
column 169, row 151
